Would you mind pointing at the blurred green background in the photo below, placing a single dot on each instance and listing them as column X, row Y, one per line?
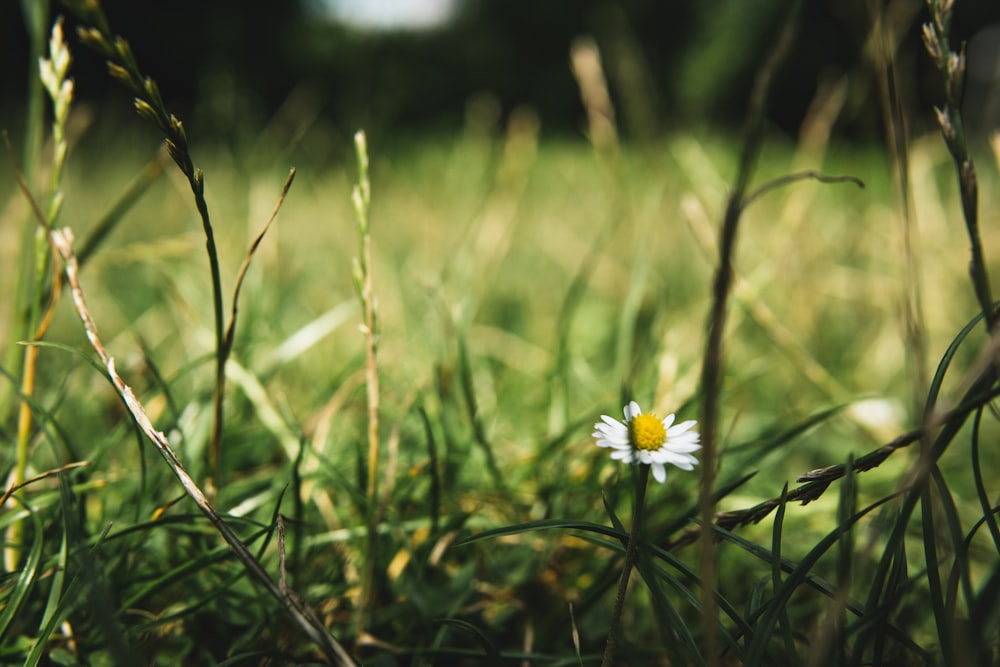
column 228, row 65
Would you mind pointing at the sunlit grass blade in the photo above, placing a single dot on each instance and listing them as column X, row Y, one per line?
column 93, row 361
column 264, row 408
column 61, row 600
column 305, row 338
column 58, row 600
column 27, row 576
column 46, row 416
column 56, row 588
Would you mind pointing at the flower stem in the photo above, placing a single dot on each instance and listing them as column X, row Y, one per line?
column 638, row 514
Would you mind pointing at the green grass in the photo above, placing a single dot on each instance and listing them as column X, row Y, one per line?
column 524, row 283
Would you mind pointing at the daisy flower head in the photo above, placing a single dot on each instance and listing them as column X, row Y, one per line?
column 645, row 438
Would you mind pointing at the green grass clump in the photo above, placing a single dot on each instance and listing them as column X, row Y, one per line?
column 363, row 434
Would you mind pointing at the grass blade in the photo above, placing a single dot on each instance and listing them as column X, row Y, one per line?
column 755, row 651
column 544, row 524
column 783, row 622
column 977, row 475
column 27, row 576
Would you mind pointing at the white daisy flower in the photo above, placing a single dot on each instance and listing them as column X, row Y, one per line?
column 648, row 439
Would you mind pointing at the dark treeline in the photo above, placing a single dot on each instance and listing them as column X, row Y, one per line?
column 680, row 61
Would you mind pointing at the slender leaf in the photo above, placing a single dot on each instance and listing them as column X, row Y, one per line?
column 799, row 575
column 977, row 475
column 26, row 579
column 488, row 646
column 783, row 622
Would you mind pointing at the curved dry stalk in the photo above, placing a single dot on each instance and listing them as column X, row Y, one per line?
column 14, row 488
column 231, row 327
column 297, row 608
column 61, row 244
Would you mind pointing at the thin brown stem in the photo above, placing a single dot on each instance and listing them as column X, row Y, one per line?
column 365, row 286
column 95, row 32
column 713, row 363
column 61, row 243
column 14, row 488
column 297, row 608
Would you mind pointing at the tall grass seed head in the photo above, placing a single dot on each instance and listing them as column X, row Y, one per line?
column 645, row 438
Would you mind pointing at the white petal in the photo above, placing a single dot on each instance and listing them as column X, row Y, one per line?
column 683, row 426
column 611, row 422
column 682, row 461
column 608, row 428
column 667, row 421
column 661, row 456
column 617, row 432
column 622, row 455
column 631, row 410
column 659, row 474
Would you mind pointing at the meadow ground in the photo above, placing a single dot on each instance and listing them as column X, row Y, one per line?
column 524, row 284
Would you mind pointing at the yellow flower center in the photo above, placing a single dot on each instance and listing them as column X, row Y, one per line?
column 647, row 432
